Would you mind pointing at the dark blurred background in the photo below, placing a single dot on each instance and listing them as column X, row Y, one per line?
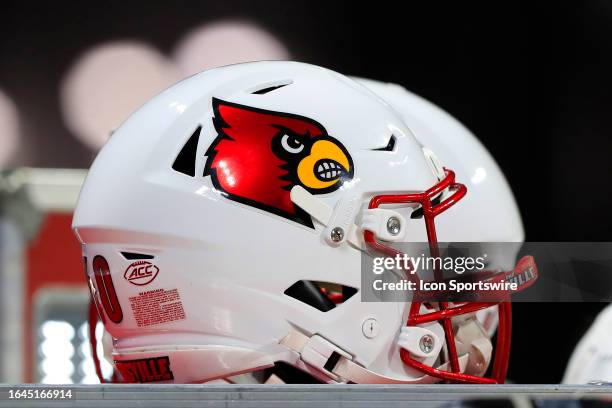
column 532, row 80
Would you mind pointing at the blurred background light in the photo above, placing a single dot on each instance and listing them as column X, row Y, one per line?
column 56, row 379
column 9, row 129
column 57, row 330
column 109, row 82
column 65, row 352
column 58, row 367
column 86, row 364
column 226, row 42
column 57, row 351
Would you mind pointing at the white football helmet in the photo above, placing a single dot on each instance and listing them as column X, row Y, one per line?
column 224, row 222
column 591, row 360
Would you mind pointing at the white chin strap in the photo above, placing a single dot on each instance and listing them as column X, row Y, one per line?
column 339, row 366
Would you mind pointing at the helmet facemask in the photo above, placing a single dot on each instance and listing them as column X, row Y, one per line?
column 434, row 202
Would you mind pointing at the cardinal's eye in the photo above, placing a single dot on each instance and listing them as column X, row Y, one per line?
column 292, row 144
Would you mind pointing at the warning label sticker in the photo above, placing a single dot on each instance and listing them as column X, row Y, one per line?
column 157, row 306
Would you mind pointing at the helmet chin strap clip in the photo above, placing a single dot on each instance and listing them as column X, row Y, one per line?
column 424, row 344
column 338, row 365
column 339, row 221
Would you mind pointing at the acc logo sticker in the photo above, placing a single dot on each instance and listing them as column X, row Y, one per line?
column 141, row 273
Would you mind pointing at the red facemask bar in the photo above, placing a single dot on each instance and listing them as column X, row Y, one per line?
column 446, row 311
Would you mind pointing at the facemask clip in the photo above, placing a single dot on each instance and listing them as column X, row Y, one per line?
column 387, row 225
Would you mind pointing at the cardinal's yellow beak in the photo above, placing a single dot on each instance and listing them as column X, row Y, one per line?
column 326, row 165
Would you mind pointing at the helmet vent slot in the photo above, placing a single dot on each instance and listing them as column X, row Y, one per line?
column 131, row 256
column 269, row 87
column 389, row 147
column 185, row 162
column 323, row 296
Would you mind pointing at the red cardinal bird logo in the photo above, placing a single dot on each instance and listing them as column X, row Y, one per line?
column 258, row 156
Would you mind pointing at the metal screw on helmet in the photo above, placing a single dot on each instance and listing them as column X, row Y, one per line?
column 370, row 327
column 337, row 234
column 426, row 344
column 393, row 225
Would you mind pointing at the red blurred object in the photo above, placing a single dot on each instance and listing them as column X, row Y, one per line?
column 53, row 258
